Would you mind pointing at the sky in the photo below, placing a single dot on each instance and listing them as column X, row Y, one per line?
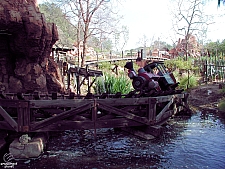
column 153, row 19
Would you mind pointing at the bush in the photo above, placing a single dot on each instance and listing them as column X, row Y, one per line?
column 112, row 84
column 180, row 64
column 185, row 83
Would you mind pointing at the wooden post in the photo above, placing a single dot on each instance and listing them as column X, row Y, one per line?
column 26, row 117
column 206, row 71
column 20, row 119
column 151, row 109
column 94, row 116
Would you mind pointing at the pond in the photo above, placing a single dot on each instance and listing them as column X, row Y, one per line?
column 193, row 142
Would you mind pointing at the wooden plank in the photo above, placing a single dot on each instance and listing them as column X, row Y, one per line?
column 123, row 101
column 58, row 103
column 160, row 115
column 8, row 119
column 161, row 99
column 166, row 115
column 151, row 109
column 124, row 114
column 94, row 116
column 26, row 121
column 14, row 103
column 61, row 116
column 20, row 119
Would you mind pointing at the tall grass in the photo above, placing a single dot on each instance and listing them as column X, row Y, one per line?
column 112, row 84
column 185, row 81
column 188, row 82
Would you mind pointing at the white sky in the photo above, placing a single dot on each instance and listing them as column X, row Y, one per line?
column 153, row 19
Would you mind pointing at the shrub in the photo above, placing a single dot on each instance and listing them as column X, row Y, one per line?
column 186, row 82
column 112, row 84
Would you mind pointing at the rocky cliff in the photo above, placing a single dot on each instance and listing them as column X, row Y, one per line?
column 26, row 41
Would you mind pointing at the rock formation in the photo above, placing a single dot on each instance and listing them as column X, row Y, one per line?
column 26, row 41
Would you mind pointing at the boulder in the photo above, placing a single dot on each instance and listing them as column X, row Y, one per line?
column 25, row 147
column 26, row 41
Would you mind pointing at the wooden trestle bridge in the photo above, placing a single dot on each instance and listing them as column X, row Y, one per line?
column 28, row 113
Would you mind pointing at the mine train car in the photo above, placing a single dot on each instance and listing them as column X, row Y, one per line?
column 153, row 80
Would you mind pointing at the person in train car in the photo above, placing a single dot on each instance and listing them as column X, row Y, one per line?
column 141, row 71
column 147, row 75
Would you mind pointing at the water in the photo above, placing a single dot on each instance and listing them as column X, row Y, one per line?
column 197, row 143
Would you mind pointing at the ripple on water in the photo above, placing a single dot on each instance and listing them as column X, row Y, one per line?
column 185, row 143
column 200, row 145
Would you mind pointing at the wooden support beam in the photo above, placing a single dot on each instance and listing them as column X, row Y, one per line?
column 61, row 116
column 9, row 119
column 20, row 119
column 152, row 109
column 26, row 119
column 14, row 103
column 23, row 115
column 123, row 102
column 94, row 116
column 124, row 114
column 160, row 115
column 92, row 82
column 58, row 103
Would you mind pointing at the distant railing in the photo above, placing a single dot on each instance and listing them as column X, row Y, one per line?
column 89, row 62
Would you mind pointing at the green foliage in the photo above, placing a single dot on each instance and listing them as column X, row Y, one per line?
column 66, row 30
column 216, row 48
column 186, row 82
column 179, row 63
column 221, row 105
column 112, row 84
column 105, row 65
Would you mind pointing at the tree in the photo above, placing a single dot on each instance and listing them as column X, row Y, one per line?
column 91, row 17
column 143, row 41
column 189, row 19
column 65, row 30
column 121, row 37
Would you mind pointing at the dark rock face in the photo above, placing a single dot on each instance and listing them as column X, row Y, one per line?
column 26, row 41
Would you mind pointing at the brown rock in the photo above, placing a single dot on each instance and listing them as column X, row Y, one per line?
column 26, row 41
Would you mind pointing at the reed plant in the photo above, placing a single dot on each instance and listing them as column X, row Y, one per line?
column 111, row 84
column 188, row 82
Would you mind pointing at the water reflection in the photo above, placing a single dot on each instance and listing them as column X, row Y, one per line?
column 186, row 143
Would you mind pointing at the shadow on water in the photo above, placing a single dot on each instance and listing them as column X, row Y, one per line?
column 196, row 142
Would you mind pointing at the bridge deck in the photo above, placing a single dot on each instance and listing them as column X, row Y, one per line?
column 72, row 114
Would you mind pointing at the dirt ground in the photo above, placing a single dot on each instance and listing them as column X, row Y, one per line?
column 205, row 97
